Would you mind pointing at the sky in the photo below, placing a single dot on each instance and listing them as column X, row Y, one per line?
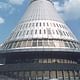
column 11, row 12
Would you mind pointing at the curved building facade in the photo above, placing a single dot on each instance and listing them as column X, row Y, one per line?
column 41, row 47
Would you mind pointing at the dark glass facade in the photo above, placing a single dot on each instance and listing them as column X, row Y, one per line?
column 40, row 75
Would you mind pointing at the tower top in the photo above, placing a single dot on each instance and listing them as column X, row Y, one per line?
column 40, row 0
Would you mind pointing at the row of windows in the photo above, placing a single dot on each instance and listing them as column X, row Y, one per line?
column 44, row 61
column 23, row 26
column 45, row 43
column 40, row 75
column 44, row 31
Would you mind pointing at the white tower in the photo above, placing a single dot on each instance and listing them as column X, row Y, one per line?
column 41, row 27
column 41, row 47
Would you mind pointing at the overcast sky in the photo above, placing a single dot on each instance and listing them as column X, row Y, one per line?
column 12, row 10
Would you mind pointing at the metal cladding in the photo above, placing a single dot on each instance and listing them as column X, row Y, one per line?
column 41, row 27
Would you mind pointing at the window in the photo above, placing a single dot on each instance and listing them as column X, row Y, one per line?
column 51, row 24
column 51, row 43
column 54, row 25
column 40, row 24
column 57, row 32
column 27, row 32
column 30, row 25
column 40, row 31
column 17, row 34
column 24, row 43
column 29, row 43
column 64, row 33
column 44, row 31
column 57, row 25
column 20, row 33
column 66, row 44
column 43, row 24
column 48, row 31
column 26, row 25
column 14, row 45
column 45, row 42
column 60, row 32
column 39, row 42
column 23, row 33
column 60, row 26
column 53, row 31
column 34, row 43
column 67, row 33
column 10, row 45
column 31, row 31
column 36, row 24
column 70, row 44
column 35, row 31
column 47, row 24
column 74, row 45
column 18, row 44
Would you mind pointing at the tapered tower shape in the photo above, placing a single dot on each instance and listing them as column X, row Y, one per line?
column 40, row 47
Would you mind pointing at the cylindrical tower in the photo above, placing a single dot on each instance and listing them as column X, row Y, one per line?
column 40, row 47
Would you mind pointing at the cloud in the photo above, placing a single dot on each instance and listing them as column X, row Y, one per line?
column 6, row 8
column 16, row 2
column 69, row 10
column 1, row 20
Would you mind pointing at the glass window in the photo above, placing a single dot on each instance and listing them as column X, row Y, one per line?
column 27, row 75
column 51, row 43
column 57, row 32
column 17, row 34
column 65, row 73
column 27, row 32
column 49, row 60
column 53, row 31
column 70, row 44
column 54, row 25
column 44, row 60
column 29, row 43
column 59, row 75
column 57, row 25
column 30, row 25
column 36, row 24
column 47, row 24
column 51, row 24
column 39, row 75
column 35, row 31
column 66, row 44
column 24, row 43
column 60, row 32
column 40, row 60
column 53, row 75
column 34, row 43
column 26, row 25
column 21, row 75
column 48, row 31
column 40, row 24
column 31, row 31
column 39, row 42
column 45, row 75
column 64, row 33
column 19, row 44
column 33, row 75
column 44, row 31
column 45, row 42
column 43, row 24
column 40, row 31
column 10, row 45
column 20, row 33
column 75, row 45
